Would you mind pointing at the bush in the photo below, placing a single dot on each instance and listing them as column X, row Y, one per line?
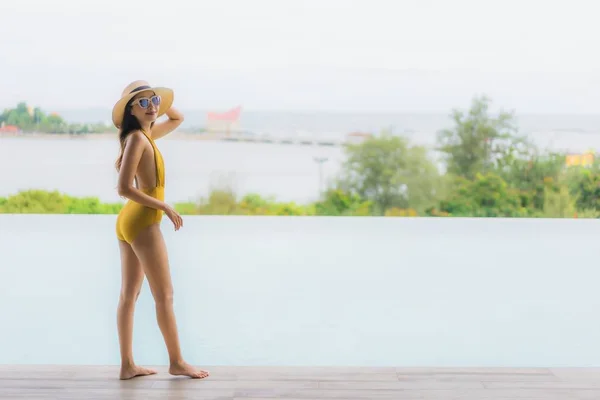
column 45, row 202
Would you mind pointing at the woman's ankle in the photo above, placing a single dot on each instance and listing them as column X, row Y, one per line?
column 127, row 363
column 177, row 361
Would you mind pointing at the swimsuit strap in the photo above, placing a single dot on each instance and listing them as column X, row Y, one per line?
column 158, row 180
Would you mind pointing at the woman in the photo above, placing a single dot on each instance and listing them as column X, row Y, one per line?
column 142, row 247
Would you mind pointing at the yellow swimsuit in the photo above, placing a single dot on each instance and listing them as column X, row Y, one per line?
column 134, row 217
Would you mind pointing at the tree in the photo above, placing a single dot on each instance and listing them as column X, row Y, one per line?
column 584, row 186
column 478, row 142
column 388, row 172
column 36, row 120
column 484, row 196
column 528, row 173
column 532, row 174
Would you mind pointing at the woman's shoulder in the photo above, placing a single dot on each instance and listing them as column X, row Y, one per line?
column 136, row 137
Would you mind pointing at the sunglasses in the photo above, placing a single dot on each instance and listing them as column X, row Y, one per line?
column 144, row 102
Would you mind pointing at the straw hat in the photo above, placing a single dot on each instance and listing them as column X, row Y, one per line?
column 133, row 89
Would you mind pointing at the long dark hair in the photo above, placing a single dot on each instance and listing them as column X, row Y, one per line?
column 129, row 124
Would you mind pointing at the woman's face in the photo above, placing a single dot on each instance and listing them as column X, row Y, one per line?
column 145, row 107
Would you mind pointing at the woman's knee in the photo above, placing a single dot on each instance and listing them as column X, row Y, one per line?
column 163, row 296
column 129, row 296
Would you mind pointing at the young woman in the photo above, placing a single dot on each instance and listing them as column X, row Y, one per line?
column 141, row 244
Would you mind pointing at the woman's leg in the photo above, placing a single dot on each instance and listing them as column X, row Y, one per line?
column 150, row 248
column 132, row 277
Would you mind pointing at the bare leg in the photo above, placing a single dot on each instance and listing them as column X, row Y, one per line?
column 151, row 250
column 132, row 277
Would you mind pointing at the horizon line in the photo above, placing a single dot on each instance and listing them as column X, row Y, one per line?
column 446, row 112
column 348, row 111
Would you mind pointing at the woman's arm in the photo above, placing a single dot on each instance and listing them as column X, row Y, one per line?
column 134, row 148
column 164, row 128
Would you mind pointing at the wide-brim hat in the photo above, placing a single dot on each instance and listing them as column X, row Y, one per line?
column 134, row 88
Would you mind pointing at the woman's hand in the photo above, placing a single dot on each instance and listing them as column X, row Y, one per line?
column 173, row 216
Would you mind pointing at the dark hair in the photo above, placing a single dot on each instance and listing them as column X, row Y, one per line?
column 129, row 124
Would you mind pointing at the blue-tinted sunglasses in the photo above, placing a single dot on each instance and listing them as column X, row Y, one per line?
column 144, row 102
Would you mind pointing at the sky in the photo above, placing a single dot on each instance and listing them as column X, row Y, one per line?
column 329, row 55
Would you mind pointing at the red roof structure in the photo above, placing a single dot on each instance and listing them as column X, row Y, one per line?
column 231, row 115
column 9, row 129
column 224, row 122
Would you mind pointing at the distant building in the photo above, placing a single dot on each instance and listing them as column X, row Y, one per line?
column 9, row 128
column 358, row 137
column 585, row 159
column 224, row 122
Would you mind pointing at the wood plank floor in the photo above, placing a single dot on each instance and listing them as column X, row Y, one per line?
column 315, row 383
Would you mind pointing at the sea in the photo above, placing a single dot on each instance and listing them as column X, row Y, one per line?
column 83, row 166
column 565, row 131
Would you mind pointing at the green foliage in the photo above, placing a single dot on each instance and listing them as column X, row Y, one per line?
column 558, row 203
column 400, row 212
column 336, row 202
column 587, row 213
column 34, row 120
column 224, row 202
column 44, row 202
column 484, row 196
column 490, row 172
column 388, row 172
column 529, row 173
column 478, row 142
column 219, row 202
column 186, row 208
column 585, row 185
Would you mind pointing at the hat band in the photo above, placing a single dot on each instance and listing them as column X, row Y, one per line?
column 137, row 89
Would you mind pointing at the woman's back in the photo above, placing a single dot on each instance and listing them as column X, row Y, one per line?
column 150, row 170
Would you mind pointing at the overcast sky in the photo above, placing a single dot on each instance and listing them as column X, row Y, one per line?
column 371, row 55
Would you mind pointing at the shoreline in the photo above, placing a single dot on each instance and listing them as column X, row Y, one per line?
column 106, row 135
column 574, row 146
column 190, row 137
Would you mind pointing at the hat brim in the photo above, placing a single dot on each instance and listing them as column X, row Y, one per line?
column 166, row 101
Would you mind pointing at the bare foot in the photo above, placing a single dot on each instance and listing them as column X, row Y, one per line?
column 183, row 368
column 133, row 370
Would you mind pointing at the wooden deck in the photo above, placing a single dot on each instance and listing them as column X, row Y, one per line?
column 100, row 382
